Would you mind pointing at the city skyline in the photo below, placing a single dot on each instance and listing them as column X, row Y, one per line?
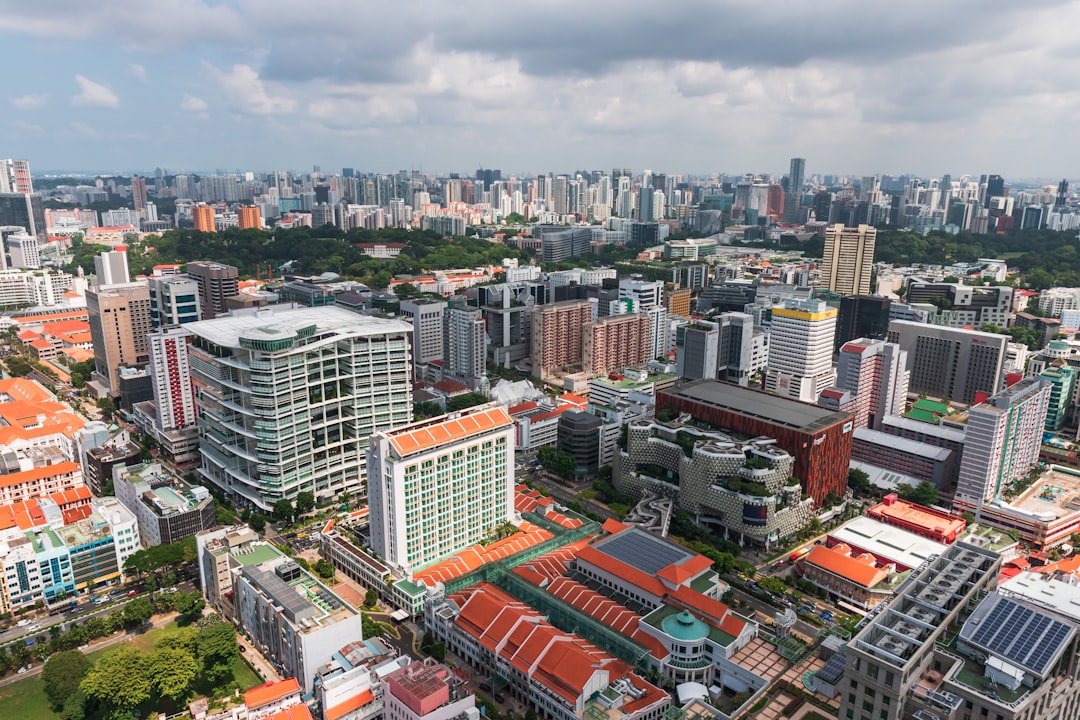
column 704, row 88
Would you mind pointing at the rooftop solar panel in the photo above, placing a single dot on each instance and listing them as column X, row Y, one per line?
column 1018, row 633
column 639, row 549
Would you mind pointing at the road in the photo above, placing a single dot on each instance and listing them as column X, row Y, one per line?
column 801, row 626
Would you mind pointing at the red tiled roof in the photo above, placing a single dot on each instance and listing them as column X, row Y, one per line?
column 475, row 556
column 293, row 712
column 832, row 559
column 522, row 407
column 354, row 703
column 270, row 692
column 407, row 441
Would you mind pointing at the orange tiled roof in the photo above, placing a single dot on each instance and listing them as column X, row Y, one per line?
column 573, row 399
column 293, row 712
column 475, row 556
column 354, row 703
column 17, row 478
column 858, row 571
column 428, row 436
column 24, row 389
column 66, row 326
column 270, row 692
column 69, row 315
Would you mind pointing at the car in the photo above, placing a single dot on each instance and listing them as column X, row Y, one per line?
column 499, row 697
column 22, row 623
column 826, row 616
column 485, row 687
column 754, row 586
column 172, row 590
column 33, row 628
column 131, row 593
column 21, row 670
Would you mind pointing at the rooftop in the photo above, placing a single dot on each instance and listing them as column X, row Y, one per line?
column 271, row 324
column 643, row 551
column 270, row 692
column 760, row 405
column 912, row 447
column 886, row 542
column 428, row 434
column 305, row 601
column 1053, row 496
column 936, row 521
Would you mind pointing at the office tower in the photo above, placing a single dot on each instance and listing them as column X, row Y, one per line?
column 862, row 316
column 560, row 194
column 174, row 300
column 119, row 317
column 793, row 198
column 216, row 282
column 1002, row 441
column 615, row 343
column 874, row 375
column 170, row 371
column 965, row 305
column 849, row 259
column 951, row 363
column 646, row 196
column 203, row 217
column 774, row 206
column 111, row 267
column 22, row 251
column 317, row 383
column 1062, row 194
column 995, row 187
column 426, row 317
column 624, row 200
column 1062, row 381
column 438, row 486
column 250, row 218
column 556, row 336
column 138, row 192
column 15, row 177
column 464, row 345
column 697, row 345
column 25, row 211
column 800, row 349
column 559, row 243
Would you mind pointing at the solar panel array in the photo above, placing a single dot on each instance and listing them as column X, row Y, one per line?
column 1021, row 634
column 643, row 551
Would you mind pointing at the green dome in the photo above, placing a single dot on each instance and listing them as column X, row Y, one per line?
column 685, row 626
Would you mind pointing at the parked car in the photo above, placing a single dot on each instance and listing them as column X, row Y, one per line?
column 131, row 593
column 22, row 623
column 485, row 687
column 500, row 698
column 826, row 616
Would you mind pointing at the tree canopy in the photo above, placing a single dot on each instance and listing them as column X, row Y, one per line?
column 62, row 675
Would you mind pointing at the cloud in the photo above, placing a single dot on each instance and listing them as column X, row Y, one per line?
column 83, row 129
column 193, row 104
column 94, row 94
column 30, row 102
column 246, row 92
column 27, row 129
column 137, row 71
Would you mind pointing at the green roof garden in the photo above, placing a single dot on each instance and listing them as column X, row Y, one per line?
column 260, row 553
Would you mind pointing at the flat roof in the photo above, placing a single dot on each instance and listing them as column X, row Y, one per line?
column 761, row 405
column 911, row 447
column 1056, row 493
column 643, row 550
column 226, row 331
column 887, row 541
column 1046, row 591
column 942, row 431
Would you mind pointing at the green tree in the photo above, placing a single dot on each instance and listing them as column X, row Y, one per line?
column 172, row 673
column 922, row 494
column 857, row 479
column 216, row 648
column 283, row 510
column 257, row 523
column 119, row 680
column 426, row 409
column 404, row 291
column 18, row 366
column 138, row 611
column 467, row 400
column 371, row 597
column 107, row 407
column 189, row 604
column 61, row 676
column 324, row 568
column 305, row 502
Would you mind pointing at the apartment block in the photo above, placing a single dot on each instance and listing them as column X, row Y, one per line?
column 557, row 336
column 951, row 363
column 616, row 342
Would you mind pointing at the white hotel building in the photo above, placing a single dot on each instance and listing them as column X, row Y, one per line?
column 288, row 398
column 438, row 486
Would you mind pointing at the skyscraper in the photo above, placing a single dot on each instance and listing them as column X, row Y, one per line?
column 317, row 382
column 249, row 217
column 875, row 374
column 862, row 316
column 119, row 317
column 25, row 211
column 138, row 192
column 15, row 177
column 174, row 300
column 464, row 345
column 616, row 342
column 995, row 187
column 438, row 486
column 426, row 317
column 800, row 349
column 951, row 363
column 170, row 372
column 216, row 282
column 849, row 259
column 556, row 335
column 111, row 266
column 793, row 199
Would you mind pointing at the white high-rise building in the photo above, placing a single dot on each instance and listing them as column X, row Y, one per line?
column 800, row 349
column 465, row 346
column 426, row 317
column 648, row 299
column 23, row 251
column 15, row 177
column 849, row 259
column 288, row 398
column 437, row 486
column 111, row 266
column 170, row 375
column 875, row 375
column 1001, row 442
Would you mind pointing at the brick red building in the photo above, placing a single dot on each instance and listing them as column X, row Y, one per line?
column 819, row 439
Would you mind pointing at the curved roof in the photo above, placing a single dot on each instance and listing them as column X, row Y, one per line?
column 684, row 626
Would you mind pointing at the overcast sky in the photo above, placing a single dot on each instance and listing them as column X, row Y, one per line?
column 698, row 86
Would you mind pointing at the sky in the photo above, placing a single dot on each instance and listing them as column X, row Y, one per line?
column 698, row 87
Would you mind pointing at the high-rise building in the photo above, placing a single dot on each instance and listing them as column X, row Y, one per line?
column 874, row 376
column 862, row 316
column 796, row 175
column 696, row 347
column 111, row 267
column 995, row 187
column 119, row 317
column 1060, row 408
column 793, row 198
column 558, row 243
column 426, row 317
column 23, row 251
column 170, row 372
column 217, row 283
column 1002, row 442
column 174, row 300
column 556, row 335
column 464, row 345
column 317, row 382
column 249, row 217
column 616, row 342
column 438, row 486
column 800, row 349
column 25, row 211
column 648, row 299
column 15, row 177
column 203, row 218
column 138, row 193
column 951, row 363
column 849, row 259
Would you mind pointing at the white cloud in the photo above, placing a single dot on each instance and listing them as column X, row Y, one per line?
column 30, row 102
column 83, row 129
column 193, row 104
column 94, row 94
column 247, row 93
column 137, row 71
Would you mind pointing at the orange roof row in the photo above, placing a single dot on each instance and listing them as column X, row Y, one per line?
column 475, row 556
column 293, row 712
column 74, row 504
column 37, row 473
column 355, row 702
column 860, row 570
column 408, row 441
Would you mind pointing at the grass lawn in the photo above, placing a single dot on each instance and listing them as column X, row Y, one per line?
column 243, row 675
column 26, row 700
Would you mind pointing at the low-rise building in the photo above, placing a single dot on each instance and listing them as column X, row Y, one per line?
column 935, row 465
column 937, row 525
column 427, row 691
column 168, row 509
column 849, row 577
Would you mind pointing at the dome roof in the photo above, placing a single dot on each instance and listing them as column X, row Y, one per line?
column 684, row 626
